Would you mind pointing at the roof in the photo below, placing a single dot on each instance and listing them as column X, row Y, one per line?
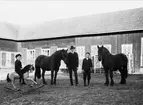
column 8, row 31
column 127, row 20
column 120, row 21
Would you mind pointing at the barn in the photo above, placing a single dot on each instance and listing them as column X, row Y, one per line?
column 120, row 31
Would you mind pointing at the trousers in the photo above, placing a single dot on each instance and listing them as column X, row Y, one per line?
column 71, row 70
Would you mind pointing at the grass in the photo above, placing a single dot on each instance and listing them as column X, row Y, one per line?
column 64, row 94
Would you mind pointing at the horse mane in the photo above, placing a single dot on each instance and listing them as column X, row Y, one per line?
column 106, row 50
column 25, row 69
column 58, row 51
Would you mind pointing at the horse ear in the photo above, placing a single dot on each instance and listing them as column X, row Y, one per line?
column 98, row 46
column 102, row 46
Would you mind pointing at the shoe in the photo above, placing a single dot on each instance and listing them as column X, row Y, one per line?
column 24, row 83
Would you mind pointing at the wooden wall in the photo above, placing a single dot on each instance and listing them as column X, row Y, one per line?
column 48, row 43
column 6, row 45
column 116, row 41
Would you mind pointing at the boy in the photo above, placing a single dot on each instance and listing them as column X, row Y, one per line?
column 86, row 67
column 18, row 67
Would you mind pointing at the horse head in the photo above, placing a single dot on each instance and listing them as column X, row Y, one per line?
column 101, row 52
column 64, row 55
column 31, row 68
column 28, row 68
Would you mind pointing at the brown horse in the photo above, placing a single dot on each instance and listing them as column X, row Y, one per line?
column 113, row 63
column 50, row 63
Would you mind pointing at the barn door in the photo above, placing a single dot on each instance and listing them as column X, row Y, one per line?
column 127, row 49
column 81, row 54
column 94, row 56
column 3, row 59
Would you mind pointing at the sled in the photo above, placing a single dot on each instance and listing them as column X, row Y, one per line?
column 11, row 89
column 38, row 87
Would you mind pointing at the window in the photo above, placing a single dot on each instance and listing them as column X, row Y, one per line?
column 12, row 59
column 30, row 56
column 127, row 49
column 3, row 59
column 8, row 59
column 46, row 52
column 141, row 63
column 81, row 51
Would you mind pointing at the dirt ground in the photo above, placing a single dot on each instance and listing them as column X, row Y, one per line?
column 64, row 94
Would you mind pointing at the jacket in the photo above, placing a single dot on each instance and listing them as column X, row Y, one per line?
column 73, row 60
column 86, row 64
column 18, row 66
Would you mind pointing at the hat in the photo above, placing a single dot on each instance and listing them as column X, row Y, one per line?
column 17, row 55
column 72, row 47
column 87, row 53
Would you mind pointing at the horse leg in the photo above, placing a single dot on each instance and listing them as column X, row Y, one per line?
column 125, row 74
column 35, row 76
column 55, row 77
column 107, row 78
column 70, row 75
column 13, row 85
column 43, row 77
column 111, row 77
column 122, row 76
column 32, row 80
column 52, row 76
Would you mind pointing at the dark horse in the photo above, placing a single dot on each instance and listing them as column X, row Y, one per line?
column 113, row 63
column 49, row 63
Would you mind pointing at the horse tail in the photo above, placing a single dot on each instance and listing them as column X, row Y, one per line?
column 8, row 79
column 37, row 72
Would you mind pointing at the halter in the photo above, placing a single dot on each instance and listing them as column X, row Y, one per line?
column 62, row 55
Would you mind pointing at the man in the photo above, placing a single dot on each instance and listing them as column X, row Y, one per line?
column 18, row 67
column 86, row 67
column 73, row 65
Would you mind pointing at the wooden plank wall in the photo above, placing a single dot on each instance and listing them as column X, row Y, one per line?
column 116, row 41
column 6, row 45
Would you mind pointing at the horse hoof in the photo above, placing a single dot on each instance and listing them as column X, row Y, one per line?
column 122, row 83
column 111, row 84
column 45, row 83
